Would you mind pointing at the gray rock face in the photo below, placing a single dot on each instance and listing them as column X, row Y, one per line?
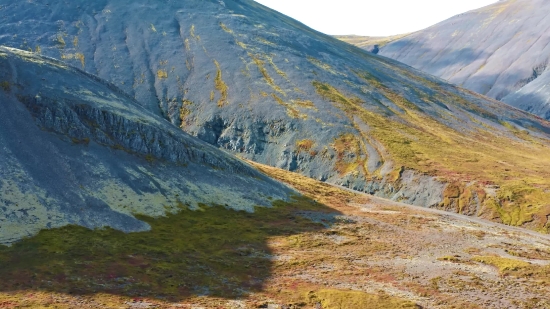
column 533, row 97
column 501, row 50
column 257, row 83
column 76, row 150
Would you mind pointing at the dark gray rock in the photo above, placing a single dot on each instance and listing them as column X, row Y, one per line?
column 76, row 150
column 241, row 77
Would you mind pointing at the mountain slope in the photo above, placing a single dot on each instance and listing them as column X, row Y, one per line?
column 257, row 83
column 501, row 50
column 76, row 150
column 355, row 252
column 369, row 43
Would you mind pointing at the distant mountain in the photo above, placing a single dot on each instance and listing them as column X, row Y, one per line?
column 76, row 150
column 502, row 51
column 369, row 43
column 254, row 82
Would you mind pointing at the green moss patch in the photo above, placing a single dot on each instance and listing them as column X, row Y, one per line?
column 215, row 251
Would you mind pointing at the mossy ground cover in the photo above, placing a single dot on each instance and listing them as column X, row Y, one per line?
column 200, row 257
column 331, row 248
column 214, row 251
column 335, row 299
column 517, row 268
column 516, row 163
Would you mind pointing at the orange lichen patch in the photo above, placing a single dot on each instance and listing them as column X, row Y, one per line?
column 348, row 151
column 305, row 145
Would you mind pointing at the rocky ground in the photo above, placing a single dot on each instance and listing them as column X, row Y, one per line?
column 363, row 252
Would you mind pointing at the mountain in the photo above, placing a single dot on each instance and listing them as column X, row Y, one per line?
column 501, row 51
column 369, row 43
column 75, row 150
column 263, row 86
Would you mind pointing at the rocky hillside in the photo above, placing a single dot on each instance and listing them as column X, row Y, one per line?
column 259, row 84
column 76, row 150
column 501, row 50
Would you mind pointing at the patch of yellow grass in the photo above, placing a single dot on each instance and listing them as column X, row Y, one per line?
column 162, row 74
column 339, row 299
column 503, row 264
column 417, row 141
column 220, row 85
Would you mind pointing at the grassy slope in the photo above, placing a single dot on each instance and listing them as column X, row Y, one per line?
column 216, row 251
column 515, row 162
column 335, row 258
column 365, row 41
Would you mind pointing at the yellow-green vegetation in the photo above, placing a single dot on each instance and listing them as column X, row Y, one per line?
column 305, row 145
column 184, row 112
column 187, row 46
column 260, row 64
column 338, row 299
column 78, row 56
column 192, row 32
column 449, row 258
column 162, row 74
column 38, row 50
column 274, row 66
column 220, row 85
column 364, row 41
column 224, row 27
column 214, row 249
column 5, row 85
column 61, row 41
column 304, row 104
column 291, row 111
column 320, row 191
column 264, row 41
column 348, row 151
column 324, row 66
column 75, row 41
column 503, row 264
column 530, row 253
column 417, row 141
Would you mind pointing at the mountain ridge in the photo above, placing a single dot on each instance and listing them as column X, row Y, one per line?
column 77, row 151
column 500, row 50
column 261, row 85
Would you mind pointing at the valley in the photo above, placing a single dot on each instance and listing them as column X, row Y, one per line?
column 332, row 247
column 218, row 154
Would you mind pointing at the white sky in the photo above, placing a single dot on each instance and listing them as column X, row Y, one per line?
column 372, row 17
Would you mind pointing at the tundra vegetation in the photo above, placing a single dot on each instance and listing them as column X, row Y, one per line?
column 329, row 247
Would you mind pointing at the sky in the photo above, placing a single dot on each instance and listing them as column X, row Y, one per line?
column 372, row 17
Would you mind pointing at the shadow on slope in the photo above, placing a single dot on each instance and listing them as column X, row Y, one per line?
column 214, row 251
column 465, row 66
